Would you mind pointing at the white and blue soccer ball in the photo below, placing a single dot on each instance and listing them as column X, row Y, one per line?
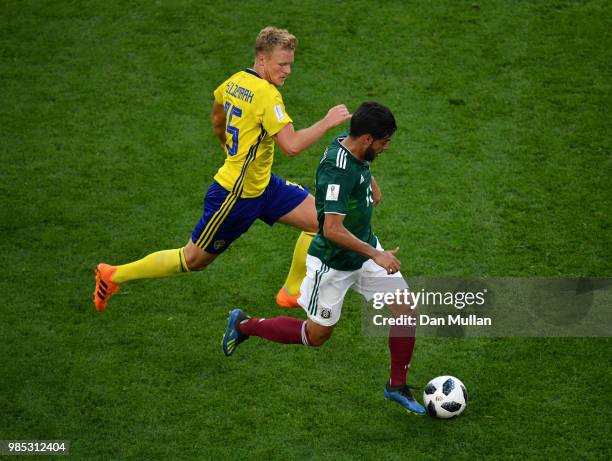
column 445, row 397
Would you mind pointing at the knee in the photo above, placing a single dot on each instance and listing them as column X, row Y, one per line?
column 196, row 266
column 197, row 259
column 312, row 227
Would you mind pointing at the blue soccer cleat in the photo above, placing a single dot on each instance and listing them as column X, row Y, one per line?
column 403, row 396
column 232, row 337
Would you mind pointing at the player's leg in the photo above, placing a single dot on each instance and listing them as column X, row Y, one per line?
column 303, row 217
column 159, row 264
column 225, row 217
column 401, row 346
column 374, row 279
column 163, row 263
column 196, row 258
column 323, row 292
column 283, row 330
column 155, row 265
column 291, row 204
column 401, row 341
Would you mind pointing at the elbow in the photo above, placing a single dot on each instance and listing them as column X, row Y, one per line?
column 290, row 151
column 289, row 146
column 329, row 233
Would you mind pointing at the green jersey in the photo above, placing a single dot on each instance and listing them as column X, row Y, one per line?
column 344, row 186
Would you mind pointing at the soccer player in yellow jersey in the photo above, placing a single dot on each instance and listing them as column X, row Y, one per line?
column 249, row 118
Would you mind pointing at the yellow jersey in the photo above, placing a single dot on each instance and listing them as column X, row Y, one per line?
column 254, row 112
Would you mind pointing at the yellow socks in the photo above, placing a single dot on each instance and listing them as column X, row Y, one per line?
column 297, row 271
column 159, row 264
column 169, row 262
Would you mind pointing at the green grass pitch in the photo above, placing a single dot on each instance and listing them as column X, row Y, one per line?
column 501, row 167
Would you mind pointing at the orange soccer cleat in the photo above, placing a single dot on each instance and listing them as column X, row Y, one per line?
column 285, row 300
column 104, row 286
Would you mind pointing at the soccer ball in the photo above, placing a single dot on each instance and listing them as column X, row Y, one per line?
column 445, row 397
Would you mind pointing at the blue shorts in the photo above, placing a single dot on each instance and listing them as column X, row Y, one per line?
column 225, row 217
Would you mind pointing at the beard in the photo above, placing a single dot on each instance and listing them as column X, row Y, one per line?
column 370, row 154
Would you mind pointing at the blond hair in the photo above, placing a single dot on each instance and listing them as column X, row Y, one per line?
column 271, row 37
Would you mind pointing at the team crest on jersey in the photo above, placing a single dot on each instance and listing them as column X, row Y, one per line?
column 325, row 313
column 333, row 190
column 278, row 110
column 218, row 244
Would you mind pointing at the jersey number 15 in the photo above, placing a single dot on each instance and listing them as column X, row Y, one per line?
column 231, row 111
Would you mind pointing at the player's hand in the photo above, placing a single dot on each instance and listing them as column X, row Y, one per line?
column 336, row 115
column 388, row 261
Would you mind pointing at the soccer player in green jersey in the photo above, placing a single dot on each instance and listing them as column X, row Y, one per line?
column 344, row 254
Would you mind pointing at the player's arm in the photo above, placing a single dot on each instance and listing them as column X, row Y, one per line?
column 376, row 194
column 217, row 119
column 293, row 142
column 334, row 230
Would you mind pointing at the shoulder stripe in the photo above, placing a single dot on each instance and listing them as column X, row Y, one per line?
column 324, row 155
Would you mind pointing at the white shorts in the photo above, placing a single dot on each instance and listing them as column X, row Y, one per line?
column 323, row 289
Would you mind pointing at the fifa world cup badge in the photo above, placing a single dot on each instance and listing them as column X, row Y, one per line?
column 333, row 190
